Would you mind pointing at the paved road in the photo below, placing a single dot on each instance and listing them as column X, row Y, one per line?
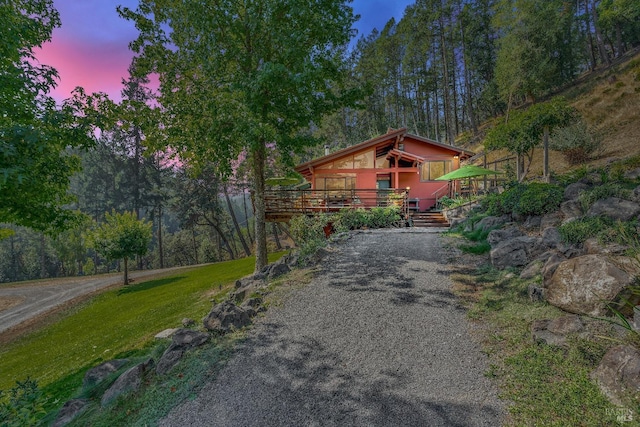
column 37, row 299
column 376, row 339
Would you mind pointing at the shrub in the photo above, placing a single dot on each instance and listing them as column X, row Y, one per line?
column 525, row 199
column 23, row 405
column 384, row 217
column 604, row 191
column 578, row 231
column 577, row 143
column 308, row 232
column 539, row 199
column 351, row 219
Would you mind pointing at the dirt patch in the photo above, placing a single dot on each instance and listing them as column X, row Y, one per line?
column 8, row 302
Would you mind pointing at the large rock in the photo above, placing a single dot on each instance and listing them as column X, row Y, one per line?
column 128, row 382
column 586, row 284
column 278, row 270
column 555, row 331
column 531, row 270
column 615, row 208
column 632, row 174
column 573, row 191
column 571, row 209
column 182, row 341
column 550, row 266
column 551, row 220
column 496, row 237
column 551, row 237
column 225, row 317
column 516, row 252
column 618, row 374
column 69, row 411
column 490, row 222
column 102, row 371
column 593, row 246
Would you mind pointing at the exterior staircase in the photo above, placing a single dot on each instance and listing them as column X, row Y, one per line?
column 429, row 219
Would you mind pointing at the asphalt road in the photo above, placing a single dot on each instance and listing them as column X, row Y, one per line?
column 376, row 339
column 36, row 299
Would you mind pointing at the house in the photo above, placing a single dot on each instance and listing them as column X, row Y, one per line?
column 395, row 160
column 394, row 168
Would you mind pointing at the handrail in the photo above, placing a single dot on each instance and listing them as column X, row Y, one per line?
column 435, row 193
column 308, row 202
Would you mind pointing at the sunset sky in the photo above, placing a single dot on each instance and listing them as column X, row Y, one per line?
column 91, row 48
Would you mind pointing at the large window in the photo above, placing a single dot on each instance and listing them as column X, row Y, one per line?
column 434, row 169
column 336, row 182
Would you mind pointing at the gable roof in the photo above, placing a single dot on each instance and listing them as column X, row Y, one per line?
column 393, row 136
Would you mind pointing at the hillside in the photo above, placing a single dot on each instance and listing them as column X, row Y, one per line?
column 609, row 101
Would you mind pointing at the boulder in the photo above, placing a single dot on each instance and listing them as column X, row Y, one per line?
column 531, row 270
column 516, row 252
column 278, row 270
column 102, row 371
column 551, row 265
column 551, row 237
column 225, row 317
column 253, row 306
column 536, row 293
column 593, row 246
column 550, row 220
column 555, row 332
column 532, row 223
column 573, row 191
column 618, row 374
column 167, row 333
column 69, row 411
column 182, row 341
column 571, row 209
column 632, row 174
column 490, row 222
column 128, row 382
column 187, row 323
column 586, row 284
column 636, row 194
column 495, row 237
column 615, row 208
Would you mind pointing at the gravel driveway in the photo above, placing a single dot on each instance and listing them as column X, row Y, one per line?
column 376, row 339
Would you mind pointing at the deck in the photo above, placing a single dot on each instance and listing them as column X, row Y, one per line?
column 281, row 205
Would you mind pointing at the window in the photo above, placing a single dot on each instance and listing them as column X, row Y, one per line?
column 434, row 169
column 336, row 182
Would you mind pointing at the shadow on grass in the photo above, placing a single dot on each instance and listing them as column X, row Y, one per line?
column 144, row 286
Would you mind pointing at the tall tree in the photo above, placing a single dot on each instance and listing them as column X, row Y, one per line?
column 35, row 134
column 239, row 75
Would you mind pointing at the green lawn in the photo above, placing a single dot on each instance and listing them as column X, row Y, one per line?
column 115, row 322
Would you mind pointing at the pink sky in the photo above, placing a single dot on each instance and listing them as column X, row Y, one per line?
column 91, row 48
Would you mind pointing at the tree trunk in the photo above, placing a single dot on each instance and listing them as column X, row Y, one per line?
column 259, row 160
column 160, row 246
column 604, row 56
column 545, row 142
column 246, row 215
column 275, row 236
column 245, row 247
column 126, row 271
column 195, row 246
column 43, row 257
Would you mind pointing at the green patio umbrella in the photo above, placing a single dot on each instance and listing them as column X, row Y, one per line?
column 468, row 171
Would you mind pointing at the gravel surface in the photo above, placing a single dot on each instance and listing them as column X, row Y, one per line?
column 376, row 339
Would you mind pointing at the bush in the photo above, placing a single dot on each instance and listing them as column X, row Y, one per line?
column 23, row 405
column 577, row 143
column 351, row 219
column 604, row 191
column 578, row 231
column 384, row 217
column 308, row 232
column 525, row 199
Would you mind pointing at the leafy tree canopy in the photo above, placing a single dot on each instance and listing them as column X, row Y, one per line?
column 239, row 75
column 35, row 135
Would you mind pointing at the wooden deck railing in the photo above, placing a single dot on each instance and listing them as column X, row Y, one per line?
column 282, row 204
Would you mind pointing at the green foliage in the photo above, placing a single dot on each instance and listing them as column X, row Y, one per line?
column 351, row 219
column 578, row 231
column 23, row 405
column 522, row 132
column 603, row 191
column 308, row 232
column 122, row 236
column 618, row 169
column 577, row 143
column 35, row 163
column 525, row 199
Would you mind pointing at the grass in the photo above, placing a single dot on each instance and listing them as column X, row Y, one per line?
column 545, row 385
column 116, row 323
